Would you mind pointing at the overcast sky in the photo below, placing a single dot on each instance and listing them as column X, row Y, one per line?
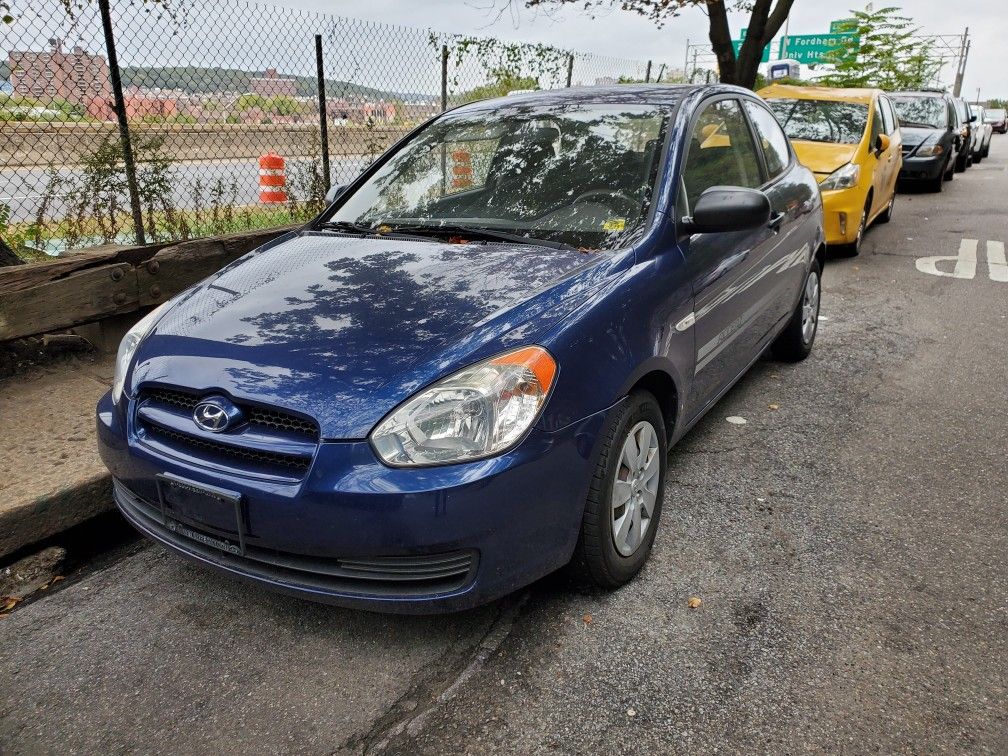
column 616, row 32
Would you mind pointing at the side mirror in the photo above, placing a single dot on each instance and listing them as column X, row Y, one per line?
column 882, row 143
column 333, row 193
column 973, row 119
column 722, row 209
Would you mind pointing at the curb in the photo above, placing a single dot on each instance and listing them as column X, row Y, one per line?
column 34, row 521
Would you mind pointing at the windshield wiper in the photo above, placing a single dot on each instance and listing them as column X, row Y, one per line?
column 421, row 229
column 918, row 125
column 347, row 226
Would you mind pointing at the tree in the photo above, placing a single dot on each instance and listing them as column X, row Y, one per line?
column 500, row 81
column 885, row 54
column 766, row 17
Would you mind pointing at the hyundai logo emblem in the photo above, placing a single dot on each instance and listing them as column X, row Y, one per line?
column 216, row 414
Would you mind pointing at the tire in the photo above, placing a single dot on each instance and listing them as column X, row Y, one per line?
column 962, row 163
column 795, row 342
column 978, row 157
column 888, row 212
column 950, row 171
column 986, row 150
column 598, row 560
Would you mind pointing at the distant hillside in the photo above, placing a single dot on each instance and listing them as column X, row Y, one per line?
column 201, row 80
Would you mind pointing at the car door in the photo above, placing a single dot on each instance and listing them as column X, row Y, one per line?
column 723, row 268
column 875, row 160
column 891, row 158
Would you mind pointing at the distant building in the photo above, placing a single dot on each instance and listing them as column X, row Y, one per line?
column 271, row 84
column 150, row 103
column 77, row 77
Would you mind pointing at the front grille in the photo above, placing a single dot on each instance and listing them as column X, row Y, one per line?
column 385, row 576
column 271, row 419
column 282, row 463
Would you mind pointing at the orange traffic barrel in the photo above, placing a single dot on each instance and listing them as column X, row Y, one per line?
column 461, row 169
column 272, row 180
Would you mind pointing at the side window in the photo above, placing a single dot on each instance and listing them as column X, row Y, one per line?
column 887, row 119
column 953, row 116
column 771, row 137
column 876, row 124
column 721, row 152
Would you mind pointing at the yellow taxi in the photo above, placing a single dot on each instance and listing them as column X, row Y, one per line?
column 850, row 139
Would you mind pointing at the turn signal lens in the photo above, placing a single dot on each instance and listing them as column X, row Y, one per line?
column 478, row 412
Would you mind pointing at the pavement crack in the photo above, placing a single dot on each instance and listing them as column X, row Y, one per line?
column 438, row 683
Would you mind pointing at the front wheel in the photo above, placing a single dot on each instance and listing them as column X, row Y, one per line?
column 624, row 499
column 888, row 212
column 795, row 342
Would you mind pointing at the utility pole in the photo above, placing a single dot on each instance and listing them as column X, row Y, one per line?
column 964, row 49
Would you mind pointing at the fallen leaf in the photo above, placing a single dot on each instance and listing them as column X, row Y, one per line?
column 587, row 619
column 775, row 406
column 631, row 712
column 8, row 603
column 58, row 578
column 694, row 602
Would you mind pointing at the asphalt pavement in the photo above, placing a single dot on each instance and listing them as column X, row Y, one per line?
column 848, row 544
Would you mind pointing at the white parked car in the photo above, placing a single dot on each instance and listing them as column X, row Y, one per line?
column 983, row 131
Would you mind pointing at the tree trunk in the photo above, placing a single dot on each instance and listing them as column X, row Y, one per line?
column 721, row 41
column 8, row 256
column 765, row 21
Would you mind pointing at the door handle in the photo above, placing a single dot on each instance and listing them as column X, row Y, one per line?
column 775, row 221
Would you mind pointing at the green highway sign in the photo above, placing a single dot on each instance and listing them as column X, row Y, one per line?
column 813, row 48
column 843, row 25
column 737, row 44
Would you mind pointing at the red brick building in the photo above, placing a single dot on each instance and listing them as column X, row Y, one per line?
column 77, row 77
column 271, row 84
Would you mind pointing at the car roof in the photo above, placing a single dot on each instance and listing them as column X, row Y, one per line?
column 935, row 93
column 864, row 96
column 646, row 94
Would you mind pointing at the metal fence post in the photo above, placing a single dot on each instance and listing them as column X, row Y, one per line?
column 444, row 78
column 570, row 68
column 323, row 115
column 647, row 75
column 120, row 107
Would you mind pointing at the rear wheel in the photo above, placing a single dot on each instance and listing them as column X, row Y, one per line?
column 624, row 499
column 950, row 171
column 795, row 342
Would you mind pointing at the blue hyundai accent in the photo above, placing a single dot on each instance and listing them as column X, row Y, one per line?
column 466, row 373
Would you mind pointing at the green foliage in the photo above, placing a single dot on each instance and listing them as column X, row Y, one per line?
column 279, row 105
column 887, row 56
column 996, row 103
column 500, row 81
column 14, row 107
column 508, row 65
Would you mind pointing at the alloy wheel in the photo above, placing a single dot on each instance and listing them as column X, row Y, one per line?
column 635, row 488
column 810, row 307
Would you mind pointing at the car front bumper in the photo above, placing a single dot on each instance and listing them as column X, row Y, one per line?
column 842, row 210
column 357, row 533
column 923, row 168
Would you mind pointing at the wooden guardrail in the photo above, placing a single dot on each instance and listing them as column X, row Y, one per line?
column 88, row 286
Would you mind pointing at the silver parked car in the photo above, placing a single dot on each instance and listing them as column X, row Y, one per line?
column 983, row 130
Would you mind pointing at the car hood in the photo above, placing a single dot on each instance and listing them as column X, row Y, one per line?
column 822, row 158
column 913, row 136
column 344, row 328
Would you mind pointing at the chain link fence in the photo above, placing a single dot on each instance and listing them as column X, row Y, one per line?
column 132, row 122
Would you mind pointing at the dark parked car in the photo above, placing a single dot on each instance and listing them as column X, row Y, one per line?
column 933, row 136
column 998, row 119
column 467, row 372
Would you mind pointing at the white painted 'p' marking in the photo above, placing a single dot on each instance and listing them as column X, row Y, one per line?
column 966, row 262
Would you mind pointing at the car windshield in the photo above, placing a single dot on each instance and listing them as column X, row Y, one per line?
column 580, row 175
column 921, row 112
column 821, row 120
column 994, row 114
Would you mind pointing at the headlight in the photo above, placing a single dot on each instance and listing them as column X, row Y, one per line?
column 128, row 346
column 842, row 178
column 929, row 150
column 475, row 413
